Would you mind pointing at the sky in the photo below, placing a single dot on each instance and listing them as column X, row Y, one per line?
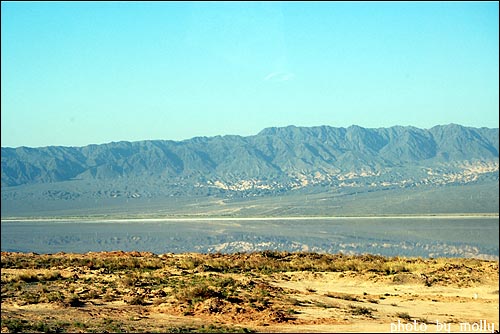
column 79, row 73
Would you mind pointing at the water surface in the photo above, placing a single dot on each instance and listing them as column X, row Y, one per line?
column 424, row 237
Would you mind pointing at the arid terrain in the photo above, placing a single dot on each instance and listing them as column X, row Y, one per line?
column 246, row 292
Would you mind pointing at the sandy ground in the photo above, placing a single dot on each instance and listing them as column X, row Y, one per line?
column 296, row 301
column 432, row 306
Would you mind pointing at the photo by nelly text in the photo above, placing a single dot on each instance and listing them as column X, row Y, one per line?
column 443, row 327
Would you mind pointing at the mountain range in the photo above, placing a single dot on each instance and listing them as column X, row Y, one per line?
column 276, row 161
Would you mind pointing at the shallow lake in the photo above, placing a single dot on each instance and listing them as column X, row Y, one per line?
column 425, row 237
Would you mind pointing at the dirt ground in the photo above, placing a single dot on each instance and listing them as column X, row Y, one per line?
column 258, row 292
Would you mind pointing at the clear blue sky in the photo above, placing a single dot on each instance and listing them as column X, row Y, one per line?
column 80, row 73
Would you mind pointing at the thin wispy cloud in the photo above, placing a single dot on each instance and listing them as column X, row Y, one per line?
column 279, row 76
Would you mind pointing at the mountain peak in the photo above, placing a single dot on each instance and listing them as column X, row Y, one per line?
column 276, row 152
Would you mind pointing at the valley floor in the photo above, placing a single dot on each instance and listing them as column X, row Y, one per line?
column 246, row 292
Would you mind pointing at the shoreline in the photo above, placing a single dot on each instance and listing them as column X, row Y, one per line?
column 209, row 219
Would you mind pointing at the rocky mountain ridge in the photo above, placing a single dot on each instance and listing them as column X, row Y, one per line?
column 274, row 153
column 276, row 161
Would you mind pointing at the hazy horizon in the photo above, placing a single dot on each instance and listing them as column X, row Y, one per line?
column 236, row 134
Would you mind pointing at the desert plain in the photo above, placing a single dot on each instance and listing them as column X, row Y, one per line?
column 266, row 291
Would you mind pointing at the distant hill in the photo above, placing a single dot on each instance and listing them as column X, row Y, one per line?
column 275, row 161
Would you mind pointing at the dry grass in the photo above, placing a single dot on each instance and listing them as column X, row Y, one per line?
column 231, row 288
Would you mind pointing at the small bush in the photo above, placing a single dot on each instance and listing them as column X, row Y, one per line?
column 30, row 298
column 344, row 296
column 74, row 301
column 16, row 325
column 131, row 279
column 27, row 277
column 24, row 326
column 196, row 293
column 424, row 321
column 360, row 310
column 108, row 297
column 404, row 316
column 54, row 296
column 137, row 300
column 325, row 305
